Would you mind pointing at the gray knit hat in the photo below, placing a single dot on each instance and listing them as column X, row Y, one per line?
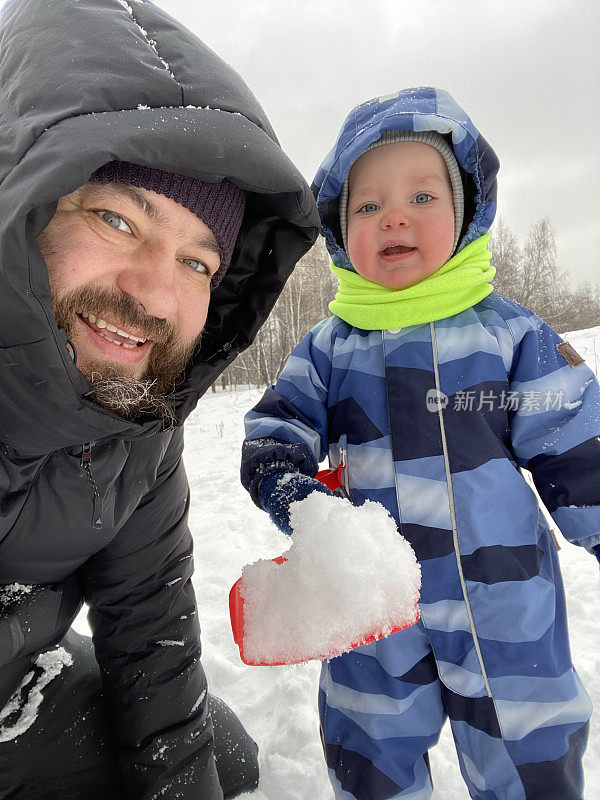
column 433, row 139
column 219, row 205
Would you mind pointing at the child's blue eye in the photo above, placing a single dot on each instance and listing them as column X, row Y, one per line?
column 369, row 207
column 423, row 198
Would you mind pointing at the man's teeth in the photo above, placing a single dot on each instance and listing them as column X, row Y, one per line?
column 102, row 323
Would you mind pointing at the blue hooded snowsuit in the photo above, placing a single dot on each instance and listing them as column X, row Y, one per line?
column 491, row 650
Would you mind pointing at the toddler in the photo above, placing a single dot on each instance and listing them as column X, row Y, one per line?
column 433, row 392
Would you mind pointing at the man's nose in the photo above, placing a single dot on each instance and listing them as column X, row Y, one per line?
column 150, row 277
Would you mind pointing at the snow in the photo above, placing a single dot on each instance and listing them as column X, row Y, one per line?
column 12, row 592
column 144, row 33
column 198, row 701
column 278, row 705
column 587, row 344
column 348, row 576
column 50, row 664
column 573, row 405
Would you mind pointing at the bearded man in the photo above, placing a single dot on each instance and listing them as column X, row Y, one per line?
column 148, row 221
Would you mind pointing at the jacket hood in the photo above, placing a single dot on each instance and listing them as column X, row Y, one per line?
column 85, row 83
column 417, row 109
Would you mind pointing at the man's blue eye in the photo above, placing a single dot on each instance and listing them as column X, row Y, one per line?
column 196, row 265
column 114, row 220
column 423, row 198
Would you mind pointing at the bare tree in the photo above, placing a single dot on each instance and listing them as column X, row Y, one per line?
column 506, row 258
column 303, row 302
column 544, row 288
column 584, row 307
column 532, row 277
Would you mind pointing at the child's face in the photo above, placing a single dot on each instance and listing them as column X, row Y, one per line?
column 400, row 214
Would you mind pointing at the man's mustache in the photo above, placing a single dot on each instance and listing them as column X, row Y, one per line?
column 116, row 307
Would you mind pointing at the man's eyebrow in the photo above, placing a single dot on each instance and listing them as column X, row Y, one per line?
column 208, row 241
column 122, row 190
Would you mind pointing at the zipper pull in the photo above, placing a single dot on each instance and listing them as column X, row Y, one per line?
column 97, row 521
column 343, row 445
column 86, row 470
column 86, row 457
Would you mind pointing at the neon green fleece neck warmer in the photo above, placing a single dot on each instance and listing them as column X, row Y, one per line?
column 457, row 285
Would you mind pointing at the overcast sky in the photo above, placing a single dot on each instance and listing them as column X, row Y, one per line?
column 526, row 71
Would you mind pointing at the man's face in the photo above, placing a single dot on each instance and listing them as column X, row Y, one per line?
column 129, row 273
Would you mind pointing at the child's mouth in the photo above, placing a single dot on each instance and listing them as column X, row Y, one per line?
column 397, row 248
column 396, row 251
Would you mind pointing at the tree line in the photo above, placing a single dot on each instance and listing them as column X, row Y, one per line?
column 528, row 273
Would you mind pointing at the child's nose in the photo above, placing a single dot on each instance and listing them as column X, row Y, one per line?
column 395, row 218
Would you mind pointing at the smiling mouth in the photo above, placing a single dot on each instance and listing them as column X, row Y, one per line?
column 396, row 249
column 111, row 332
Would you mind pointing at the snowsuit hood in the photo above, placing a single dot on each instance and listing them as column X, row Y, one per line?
column 132, row 85
column 417, row 109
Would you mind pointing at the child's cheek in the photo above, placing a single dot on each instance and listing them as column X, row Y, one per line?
column 358, row 244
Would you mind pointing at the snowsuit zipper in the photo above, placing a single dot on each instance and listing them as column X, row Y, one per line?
column 453, row 515
column 86, row 471
column 343, row 445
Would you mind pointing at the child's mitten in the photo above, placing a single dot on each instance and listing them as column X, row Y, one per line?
column 279, row 489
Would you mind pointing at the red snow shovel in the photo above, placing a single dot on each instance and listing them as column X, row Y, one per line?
column 333, row 480
column 236, row 612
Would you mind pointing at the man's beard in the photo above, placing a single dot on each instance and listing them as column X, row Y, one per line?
column 113, row 388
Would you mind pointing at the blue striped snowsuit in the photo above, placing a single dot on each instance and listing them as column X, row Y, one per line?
column 491, row 651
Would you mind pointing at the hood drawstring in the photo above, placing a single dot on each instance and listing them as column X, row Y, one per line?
column 86, row 470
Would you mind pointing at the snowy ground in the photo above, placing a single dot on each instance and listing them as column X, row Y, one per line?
column 278, row 704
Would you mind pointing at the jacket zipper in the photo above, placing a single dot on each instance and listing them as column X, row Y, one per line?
column 453, row 515
column 86, row 470
column 343, row 445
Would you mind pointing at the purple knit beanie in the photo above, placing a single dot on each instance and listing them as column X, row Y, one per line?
column 219, row 205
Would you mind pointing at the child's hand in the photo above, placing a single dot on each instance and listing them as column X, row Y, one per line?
column 279, row 489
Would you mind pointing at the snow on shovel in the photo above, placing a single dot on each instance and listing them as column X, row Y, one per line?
column 348, row 579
